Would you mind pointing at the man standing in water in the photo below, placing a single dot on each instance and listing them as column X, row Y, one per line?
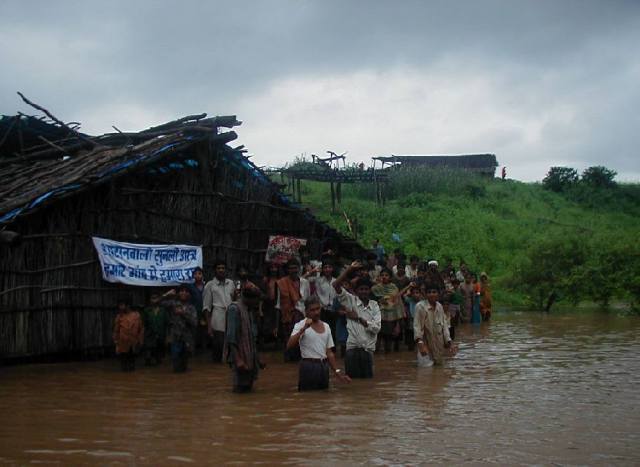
column 292, row 290
column 314, row 338
column 240, row 349
column 363, row 323
column 430, row 328
column 217, row 296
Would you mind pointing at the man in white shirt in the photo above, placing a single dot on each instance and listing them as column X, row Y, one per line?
column 431, row 330
column 363, row 324
column 218, row 295
column 314, row 338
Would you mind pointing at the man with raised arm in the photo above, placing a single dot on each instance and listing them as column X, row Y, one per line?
column 363, row 323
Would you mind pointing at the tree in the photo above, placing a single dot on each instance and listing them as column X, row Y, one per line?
column 554, row 269
column 599, row 177
column 558, row 179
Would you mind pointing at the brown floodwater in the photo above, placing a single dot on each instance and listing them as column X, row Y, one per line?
column 525, row 389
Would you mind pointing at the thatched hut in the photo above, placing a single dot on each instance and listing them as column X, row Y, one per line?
column 180, row 182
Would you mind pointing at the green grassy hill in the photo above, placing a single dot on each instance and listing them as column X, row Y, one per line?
column 530, row 240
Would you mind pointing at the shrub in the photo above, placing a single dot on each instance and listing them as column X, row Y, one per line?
column 599, row 177
column 559, row 179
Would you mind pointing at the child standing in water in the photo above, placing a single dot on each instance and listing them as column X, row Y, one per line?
column 128, row 334
column 183, row 320
column 388, row 297
column 155, row 331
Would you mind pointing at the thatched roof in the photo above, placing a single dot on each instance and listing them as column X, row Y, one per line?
column 464, row 161
column 41, row 162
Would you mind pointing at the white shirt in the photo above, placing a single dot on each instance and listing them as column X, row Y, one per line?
column 360, row 336
column 305, row 292
column 324, row 290
column 312, row 343
column 411, row 273
column 217, row 296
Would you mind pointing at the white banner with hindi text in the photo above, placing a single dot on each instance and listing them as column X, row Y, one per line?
column 147, row 265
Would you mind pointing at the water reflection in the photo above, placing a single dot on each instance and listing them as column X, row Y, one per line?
column 525, row 389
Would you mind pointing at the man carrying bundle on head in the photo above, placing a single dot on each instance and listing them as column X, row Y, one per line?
column 363, row 323
column 314, row 338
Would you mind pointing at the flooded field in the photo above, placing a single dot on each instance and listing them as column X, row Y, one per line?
column 525, row 389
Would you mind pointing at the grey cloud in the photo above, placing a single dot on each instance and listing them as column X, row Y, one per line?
column 76, row 57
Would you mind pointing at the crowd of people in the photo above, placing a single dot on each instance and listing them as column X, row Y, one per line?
column 315, row 311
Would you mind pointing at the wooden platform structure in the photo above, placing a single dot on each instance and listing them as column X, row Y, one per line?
column 321, row 170
column 176, row 183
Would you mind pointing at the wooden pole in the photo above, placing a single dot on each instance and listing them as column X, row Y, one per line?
column 339, row 192
column 333, row 199
column 299, row 190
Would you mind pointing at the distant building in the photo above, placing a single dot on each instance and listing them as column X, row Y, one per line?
column 484, row 164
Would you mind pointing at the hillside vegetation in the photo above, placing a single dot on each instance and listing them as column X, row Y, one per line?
column 576, row 245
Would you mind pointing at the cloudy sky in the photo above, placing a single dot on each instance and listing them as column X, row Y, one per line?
column 538, row 83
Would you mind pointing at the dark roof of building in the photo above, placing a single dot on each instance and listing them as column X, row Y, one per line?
column 458, row 161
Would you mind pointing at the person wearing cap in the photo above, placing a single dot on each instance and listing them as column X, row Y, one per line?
column 313, row 336
column 240, row 345
column 363, row 323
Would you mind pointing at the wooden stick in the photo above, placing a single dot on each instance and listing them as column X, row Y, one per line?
column 53, row 117
column 55, row 146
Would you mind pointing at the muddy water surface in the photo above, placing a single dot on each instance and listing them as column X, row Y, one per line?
column 525, row 389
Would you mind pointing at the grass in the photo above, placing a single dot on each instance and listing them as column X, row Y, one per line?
column 488, row 223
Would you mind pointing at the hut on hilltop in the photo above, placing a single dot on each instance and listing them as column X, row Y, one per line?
column 177, row 183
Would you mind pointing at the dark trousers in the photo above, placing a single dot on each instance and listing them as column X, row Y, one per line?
column 127, row 360
column 154, row 351
column 452, row 332
column 217, row 344
column 358, row 363
column 313, row 375
column 409, row 339
column 179, row 357
column 243, row 380
column 290, row 355
column 202, row 337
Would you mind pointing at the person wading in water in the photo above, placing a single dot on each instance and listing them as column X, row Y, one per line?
column 314, row 338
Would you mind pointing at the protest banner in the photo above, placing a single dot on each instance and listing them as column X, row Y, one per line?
column 282, row 248
column 147, row 265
